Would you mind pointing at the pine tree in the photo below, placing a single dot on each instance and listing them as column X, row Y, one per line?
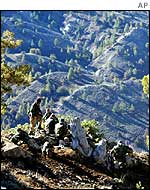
column 32, row 43
column 145, row 83
column 56, row 41
column 49, row 17
column 10, row 76
column 52, row 58
column 117, row 23
column 40, row 43
column 126, row 28
column 70, row 73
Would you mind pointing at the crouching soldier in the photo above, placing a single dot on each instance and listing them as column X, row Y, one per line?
column 119, row 153
column 20, row 136
column 50, row 124
column 35, row 115
column 61, row 129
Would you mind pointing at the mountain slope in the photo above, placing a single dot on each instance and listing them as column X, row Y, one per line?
column 84, row 63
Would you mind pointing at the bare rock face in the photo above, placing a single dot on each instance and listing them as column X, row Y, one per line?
column 79, row 140
column 14, row 151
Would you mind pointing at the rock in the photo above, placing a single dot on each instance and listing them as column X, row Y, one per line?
column 32, row 144
column 130, row 161
column 66, row 152
column 106, row 187
column 3, row 187
column 14, row 151
column 79, row 139
column 78, row 177
column 99, row 154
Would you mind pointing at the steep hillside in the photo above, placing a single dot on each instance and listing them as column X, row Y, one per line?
column 84, row 63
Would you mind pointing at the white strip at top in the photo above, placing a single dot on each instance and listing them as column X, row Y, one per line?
column 75, row 5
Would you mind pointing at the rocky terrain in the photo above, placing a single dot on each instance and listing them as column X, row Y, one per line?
column 84, row 63
column 22, row 166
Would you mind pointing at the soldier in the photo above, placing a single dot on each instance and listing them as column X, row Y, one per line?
column 119, row 152
column 47, row 114
column 47, row 149
column 35, row 115
column 21, row 135
column 61, row 129
column 50, row 124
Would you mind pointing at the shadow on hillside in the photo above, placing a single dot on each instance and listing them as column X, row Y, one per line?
column 10, row 181
column 132, row 175
column 83, row 80
column 121, row 118
column 72, row 107
column 34, row 166
column 78, row 169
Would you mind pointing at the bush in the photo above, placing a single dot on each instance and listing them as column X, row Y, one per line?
column 63, row 91
column 92, row 128
column 70, row 73
column 52, row 58
column 35, row 51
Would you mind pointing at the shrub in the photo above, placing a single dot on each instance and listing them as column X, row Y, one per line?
column 70, row 73
column 40, row 60
column 92, row 128
column 35, row 51
column 62, row 91
column 52, row 58
column 40, row 43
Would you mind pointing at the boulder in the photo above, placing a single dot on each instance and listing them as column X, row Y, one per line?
column 79, row 139
column 65, row 152
column 3, row 187
column 99, row 154
column 130, row 160
column 14, row 151
column 32, row 144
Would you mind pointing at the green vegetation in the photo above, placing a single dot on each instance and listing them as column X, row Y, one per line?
column 11, row 75
column 139, row 185
column 52, row 58
column 92, row 128
column 119, row 107
column 35, row 51
column 145, row 83
column 62, row 90
column 40, row 43
column 70, row 73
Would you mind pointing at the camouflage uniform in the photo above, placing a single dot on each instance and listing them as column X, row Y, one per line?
column 61, row 129
column 118, row 153
column 50, row 124
column 20, row 136
column 35, row 115
column 47, row 114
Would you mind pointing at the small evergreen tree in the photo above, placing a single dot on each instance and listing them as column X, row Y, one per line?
column 11, row 75
column 126, row 28
column 70, row 73
column 145, row 84
column 40, row 43
column 52, row 58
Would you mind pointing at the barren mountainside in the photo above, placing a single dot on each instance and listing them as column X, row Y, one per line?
column 84, row 63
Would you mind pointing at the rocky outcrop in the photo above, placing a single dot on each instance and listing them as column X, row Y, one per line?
column 12, row 150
